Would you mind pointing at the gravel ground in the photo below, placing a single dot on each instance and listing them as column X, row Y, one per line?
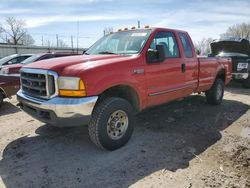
column 186, row 143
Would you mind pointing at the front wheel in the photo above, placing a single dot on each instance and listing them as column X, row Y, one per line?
column 215, row 94
column 111, row 125
column 1, row 99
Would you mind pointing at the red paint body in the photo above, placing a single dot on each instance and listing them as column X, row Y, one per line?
column 160, row 82
column 9, row 85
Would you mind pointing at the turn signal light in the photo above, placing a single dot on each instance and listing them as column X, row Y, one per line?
column 72, row 93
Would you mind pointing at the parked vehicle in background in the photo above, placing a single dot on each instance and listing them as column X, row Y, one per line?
column 14, row 68
column 14, row 59
column 122, row 73
column 239, row 51
column 9, row 85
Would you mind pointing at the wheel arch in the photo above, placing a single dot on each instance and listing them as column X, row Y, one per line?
column 221, row 73
column 123, row 91
column 3, row 92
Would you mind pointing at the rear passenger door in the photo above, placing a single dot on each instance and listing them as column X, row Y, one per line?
column 189, row 63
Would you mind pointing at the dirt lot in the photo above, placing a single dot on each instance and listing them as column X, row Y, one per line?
column 185, row 144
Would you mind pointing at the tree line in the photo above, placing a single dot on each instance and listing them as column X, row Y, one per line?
column 14, row 32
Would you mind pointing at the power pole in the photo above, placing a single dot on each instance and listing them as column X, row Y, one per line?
column 72, row 43
column 57, row 40
column 42, row 40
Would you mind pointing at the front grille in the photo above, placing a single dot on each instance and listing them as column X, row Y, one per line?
column 41, row 85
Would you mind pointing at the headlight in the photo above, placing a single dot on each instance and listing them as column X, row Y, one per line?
column 5, row 70
column 71, row 87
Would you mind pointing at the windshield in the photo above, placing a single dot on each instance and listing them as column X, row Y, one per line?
column 31, row 59
column 123, row 42
column 230, row 54
column 6, row 59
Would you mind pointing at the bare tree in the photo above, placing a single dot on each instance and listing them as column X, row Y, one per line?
column 27, row 40
column 107, row 30
column 15, row 30
column 238, row 31
column 203, row 46
column 62, row 43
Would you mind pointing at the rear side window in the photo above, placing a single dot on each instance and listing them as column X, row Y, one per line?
column 12, row 61
column 167, row 39
column 21, row 58
column 186, row 45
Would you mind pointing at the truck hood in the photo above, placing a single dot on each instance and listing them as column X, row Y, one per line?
column 72, row 62
column 230, row 47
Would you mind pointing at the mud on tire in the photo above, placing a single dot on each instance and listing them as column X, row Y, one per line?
column 111, row 125
column 215, row 94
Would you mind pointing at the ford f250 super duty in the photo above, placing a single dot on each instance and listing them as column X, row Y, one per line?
column 121, row 74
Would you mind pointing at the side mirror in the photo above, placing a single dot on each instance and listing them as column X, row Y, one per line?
column 84, row 50
column 9, row 62
column 198, row 52
column 156, row 56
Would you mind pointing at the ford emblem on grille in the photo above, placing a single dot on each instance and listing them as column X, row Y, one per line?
column 29, row 82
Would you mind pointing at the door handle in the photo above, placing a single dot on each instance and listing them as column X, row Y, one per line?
column 139, row 71
column 183, row 67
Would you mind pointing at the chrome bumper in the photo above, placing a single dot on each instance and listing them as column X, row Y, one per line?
column 240, row 76
column 59, row 111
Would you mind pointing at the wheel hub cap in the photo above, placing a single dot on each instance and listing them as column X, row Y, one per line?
column 117, row 124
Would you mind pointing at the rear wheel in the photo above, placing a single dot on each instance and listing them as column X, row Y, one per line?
column 215, row 94
column 246, row 83
column 111, row 125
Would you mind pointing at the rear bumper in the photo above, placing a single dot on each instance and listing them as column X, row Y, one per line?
column 59, row 111
column 240, row 76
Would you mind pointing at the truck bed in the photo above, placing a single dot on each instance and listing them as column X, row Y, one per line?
column 208, row 69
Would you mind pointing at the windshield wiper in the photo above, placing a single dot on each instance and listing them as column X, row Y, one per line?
column 106, row 52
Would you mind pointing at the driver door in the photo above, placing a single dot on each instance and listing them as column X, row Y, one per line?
column 165, row 79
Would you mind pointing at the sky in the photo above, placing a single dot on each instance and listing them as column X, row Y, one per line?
column 47, row 18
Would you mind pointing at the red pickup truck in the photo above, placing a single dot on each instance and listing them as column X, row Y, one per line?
column 121, row 74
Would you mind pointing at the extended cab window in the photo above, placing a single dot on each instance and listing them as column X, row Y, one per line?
column 186, row 45
column 167, row 39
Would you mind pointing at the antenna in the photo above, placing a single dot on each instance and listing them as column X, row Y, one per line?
column 139, row 24
column 77, row 37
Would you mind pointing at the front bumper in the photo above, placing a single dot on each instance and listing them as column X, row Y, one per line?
column 240, row 76
column 59, row 111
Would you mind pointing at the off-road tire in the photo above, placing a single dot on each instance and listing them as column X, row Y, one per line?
column 99, row 121
column 215, row 94
column 246, row 83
